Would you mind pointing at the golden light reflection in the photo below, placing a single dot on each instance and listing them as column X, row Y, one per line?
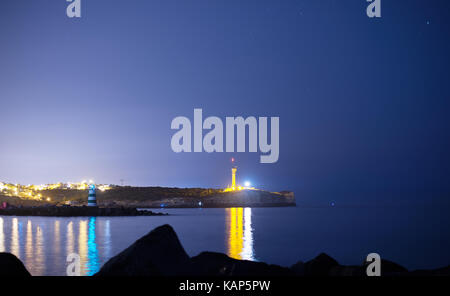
column 39, row 255
column 15, row 247
column 56, row 240
column 29, row 245
column 240, row 233
column 70, row 239
column 82, row 243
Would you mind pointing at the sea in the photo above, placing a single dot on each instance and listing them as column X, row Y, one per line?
column 416, row 237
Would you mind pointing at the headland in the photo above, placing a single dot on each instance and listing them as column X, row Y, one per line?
column 127, row 197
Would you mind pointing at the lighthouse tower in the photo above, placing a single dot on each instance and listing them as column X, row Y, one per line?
column 92, row 199
column 233, row 177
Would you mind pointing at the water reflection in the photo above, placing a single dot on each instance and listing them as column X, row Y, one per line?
column 70, row 239
column 41, row 245
column 29, row 244
column 107, row 253
column 240, row 233
column 15, row 247
column 56, row 241
column 93, row 264
column 82, row 243
column 39, row 255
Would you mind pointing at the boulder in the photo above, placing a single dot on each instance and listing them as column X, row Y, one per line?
column 160, row 253
column 217, row 264
column 388, row 268
column 298, row 268
column 10, row 265
column 321, row 265
column 443, row 271
column 157, row 253
column 347, row 270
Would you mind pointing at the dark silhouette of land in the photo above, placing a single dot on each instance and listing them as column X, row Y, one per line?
column 156, row 197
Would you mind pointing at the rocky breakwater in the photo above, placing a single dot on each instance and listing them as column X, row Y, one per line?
column 160, row 253
column 251, row 198
column 71, row 211
column 238, row 198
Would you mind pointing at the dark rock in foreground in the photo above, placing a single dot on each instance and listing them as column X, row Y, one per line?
column 160, row 253
column 444, row 271
column 321, row 265
column 217, row 264
column 389, row 268
column 69, row 211
column 157, row 253
column 10, row 265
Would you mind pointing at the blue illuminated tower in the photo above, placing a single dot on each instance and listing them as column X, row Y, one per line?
column 92, row 199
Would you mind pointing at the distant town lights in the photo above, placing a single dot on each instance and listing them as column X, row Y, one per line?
column 31, row 192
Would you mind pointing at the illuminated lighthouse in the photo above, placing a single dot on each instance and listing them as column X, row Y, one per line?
column 233, row 177
column 92, row 199
column 234, row 186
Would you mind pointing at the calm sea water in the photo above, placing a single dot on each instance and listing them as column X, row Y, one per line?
column 416, row 237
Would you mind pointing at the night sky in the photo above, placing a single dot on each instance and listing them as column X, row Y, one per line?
column 363, row 103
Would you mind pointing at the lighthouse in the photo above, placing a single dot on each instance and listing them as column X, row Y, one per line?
column 233, row 177
column 92, row 199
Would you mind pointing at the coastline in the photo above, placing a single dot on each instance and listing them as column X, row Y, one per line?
column 69, row 211
column 74, row 202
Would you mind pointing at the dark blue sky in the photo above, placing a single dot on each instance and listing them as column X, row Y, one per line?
column 363, row 103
